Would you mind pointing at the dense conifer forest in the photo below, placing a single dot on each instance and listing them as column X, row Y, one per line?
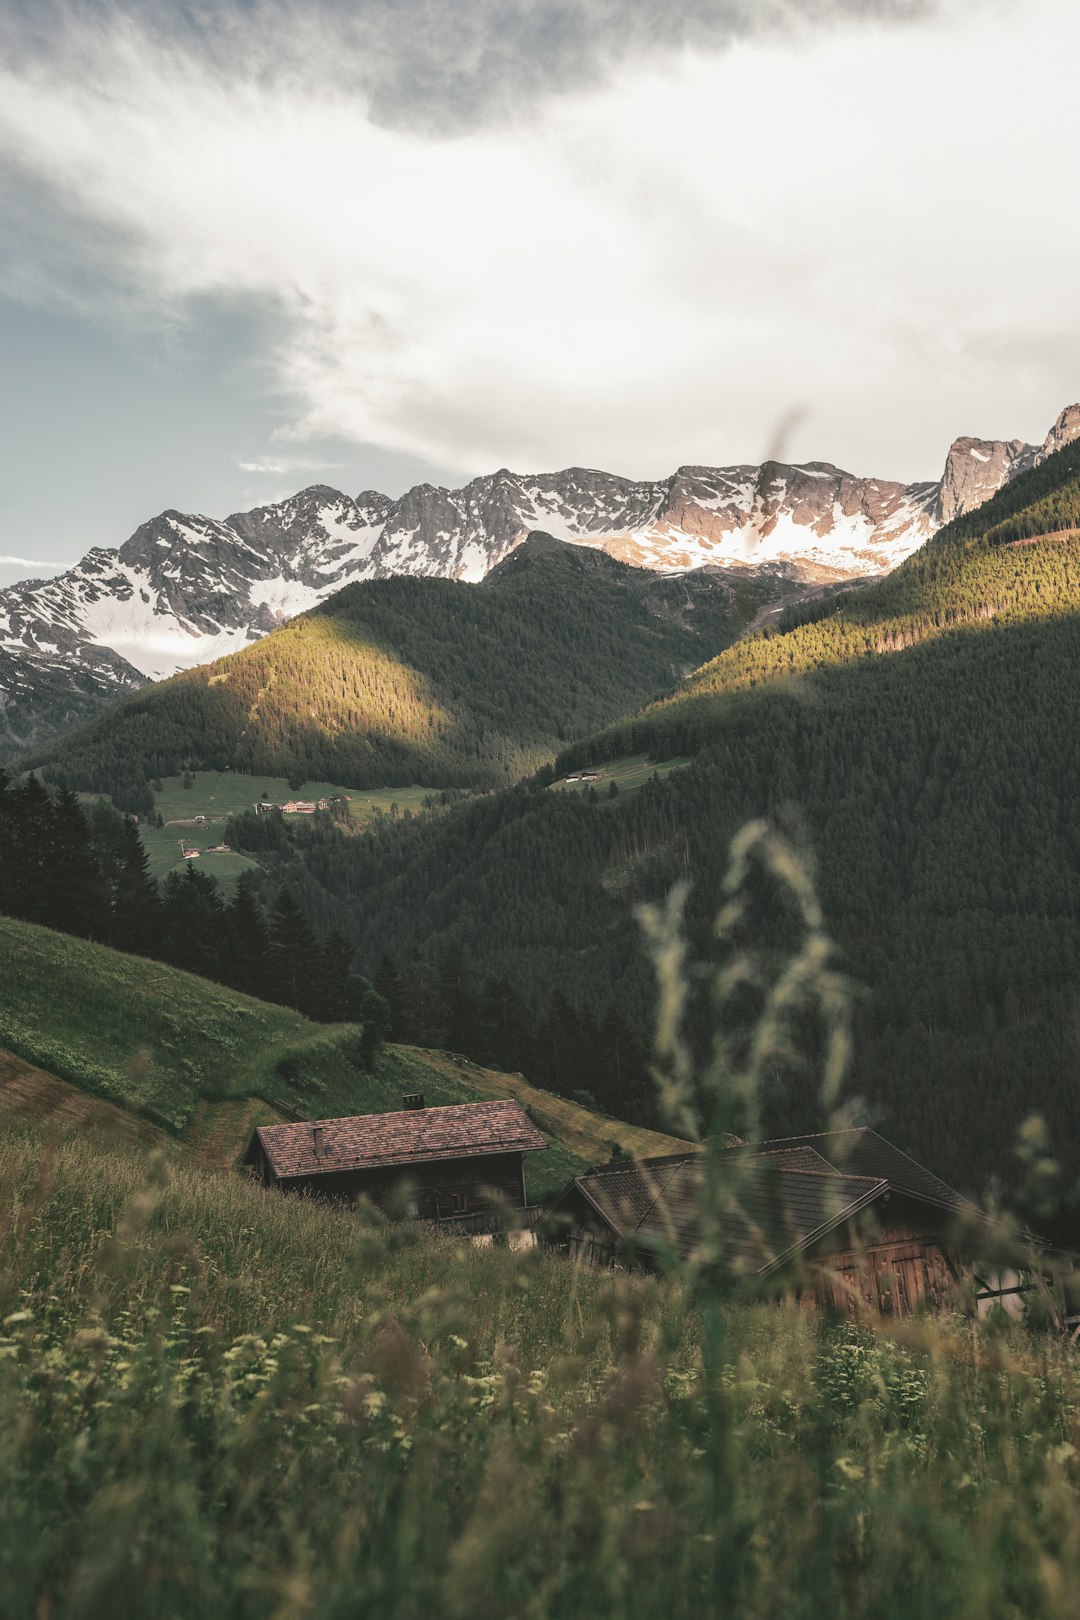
column 927, row 757
column 421, row 680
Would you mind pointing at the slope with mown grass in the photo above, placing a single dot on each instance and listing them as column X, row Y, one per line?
column 107, row 1038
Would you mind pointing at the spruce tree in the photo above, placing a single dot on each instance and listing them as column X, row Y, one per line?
column 294, row 956
column 246, row 964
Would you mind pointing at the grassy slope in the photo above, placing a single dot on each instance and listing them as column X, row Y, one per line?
column 628, row 775
column 408, row 680
column 173, row 1051
column 220, row 1402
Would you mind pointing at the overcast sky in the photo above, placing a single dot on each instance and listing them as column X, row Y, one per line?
column 253, row 246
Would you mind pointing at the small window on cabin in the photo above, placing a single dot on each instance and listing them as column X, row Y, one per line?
column 459, row 1203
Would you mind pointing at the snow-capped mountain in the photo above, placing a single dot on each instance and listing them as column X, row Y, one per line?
column 186, row 589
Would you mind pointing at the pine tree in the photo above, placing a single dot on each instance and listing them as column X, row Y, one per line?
column 193, row 923
column 389, row 985
column 246, row 964
column 335, row 992
column 134, row 899
column 460, row 1022
column 372, row 1013
column 294, row 956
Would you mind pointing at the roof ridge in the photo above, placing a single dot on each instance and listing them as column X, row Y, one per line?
column 830, row 1174
column 805, row 1136
column 393, row 1113
column 617, row 1166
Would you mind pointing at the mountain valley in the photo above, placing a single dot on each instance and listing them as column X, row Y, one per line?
column 914, row 738
column 186, row 589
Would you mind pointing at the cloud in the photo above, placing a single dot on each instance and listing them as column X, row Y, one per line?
column 288, row 465
column 30, row 562
column 442, row 65
column 653, row 265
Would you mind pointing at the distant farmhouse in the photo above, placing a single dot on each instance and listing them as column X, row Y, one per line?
column 293, row 807
column 851, row 1221
column 437, row 1164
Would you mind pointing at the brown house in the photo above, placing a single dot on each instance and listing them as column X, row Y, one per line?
column 467, row 1160
column 843, row 1218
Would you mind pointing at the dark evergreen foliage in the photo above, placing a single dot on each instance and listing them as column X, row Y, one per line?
column 85, row 873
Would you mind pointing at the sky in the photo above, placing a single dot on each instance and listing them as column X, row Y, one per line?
column 256, row 245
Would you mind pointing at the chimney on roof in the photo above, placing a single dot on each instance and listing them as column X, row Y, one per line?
column 412, row 1101
column 317, row 1138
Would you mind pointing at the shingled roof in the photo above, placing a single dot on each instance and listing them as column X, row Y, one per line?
column 411, row 1136
column 860, row 1151
column 786, row 1194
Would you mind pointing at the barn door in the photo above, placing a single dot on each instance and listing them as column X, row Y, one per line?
column 902, row 1278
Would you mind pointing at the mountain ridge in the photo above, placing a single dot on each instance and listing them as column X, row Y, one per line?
column 184, row 588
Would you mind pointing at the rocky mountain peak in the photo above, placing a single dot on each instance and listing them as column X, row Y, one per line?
column 1064, row 431
column 975, row 469
column 186, row 588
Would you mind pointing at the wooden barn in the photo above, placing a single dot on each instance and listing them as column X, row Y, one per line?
column 459, row 1163
column 842, row 1218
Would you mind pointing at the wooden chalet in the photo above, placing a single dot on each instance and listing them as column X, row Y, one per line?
column 842, row 1218
column 464, row 1163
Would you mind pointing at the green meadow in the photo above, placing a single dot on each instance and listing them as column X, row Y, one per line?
column 217, row 795
column 217, row 1401
column 206, row 1064
column 628, row 774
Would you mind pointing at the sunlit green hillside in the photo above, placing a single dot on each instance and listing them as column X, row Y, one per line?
column 1014, row 560
column 403, row 681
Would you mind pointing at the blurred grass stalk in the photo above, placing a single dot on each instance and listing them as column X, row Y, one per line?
column 216, row 1401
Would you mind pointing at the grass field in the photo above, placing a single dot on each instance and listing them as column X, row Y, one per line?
column 217, row 795
column 588, row 1135
column 628, row 774
column 162, row 846
column 220, row 1402
column 226, row 793
column 206, row 1064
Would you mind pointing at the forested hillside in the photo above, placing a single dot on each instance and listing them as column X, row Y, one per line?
column 928, row 759
column 422, row 680
column 980, row 570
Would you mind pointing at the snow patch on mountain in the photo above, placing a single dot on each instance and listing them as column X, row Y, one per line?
column 186, row 589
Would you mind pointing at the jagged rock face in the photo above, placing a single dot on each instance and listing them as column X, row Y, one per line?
column 975, row 469
column 185, row 589
column 1063, row 432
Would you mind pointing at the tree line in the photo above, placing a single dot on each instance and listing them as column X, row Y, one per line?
column 85, row 872
column 436, row 999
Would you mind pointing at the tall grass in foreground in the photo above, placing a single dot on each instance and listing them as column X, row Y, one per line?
column 216, row 1401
